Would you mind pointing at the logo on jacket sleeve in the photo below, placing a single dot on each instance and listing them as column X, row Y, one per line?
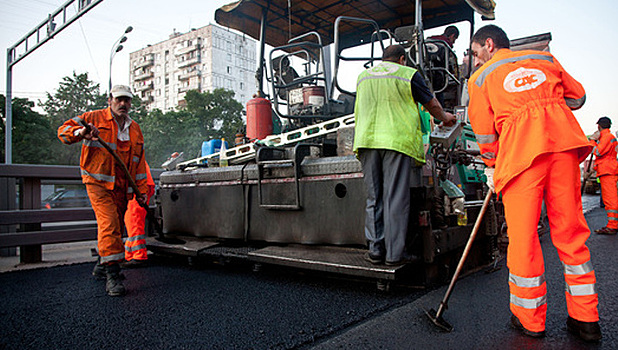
column 523, row 79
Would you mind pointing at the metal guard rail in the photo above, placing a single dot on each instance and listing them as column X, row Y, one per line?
column 29, row 216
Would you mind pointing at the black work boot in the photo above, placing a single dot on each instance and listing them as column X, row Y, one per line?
column 516, row 324
column 588, row 331
column 114, row 286
column 99, row 271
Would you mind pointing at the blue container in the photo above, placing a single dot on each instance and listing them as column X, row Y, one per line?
column 212, row 146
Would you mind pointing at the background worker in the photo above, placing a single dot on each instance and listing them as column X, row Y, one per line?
column 388, row 142
column 450, row 35
column 135, row 252
column 606, row 167
column 520, row 110
column 106, row 183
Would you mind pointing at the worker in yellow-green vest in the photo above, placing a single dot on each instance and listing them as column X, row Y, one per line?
column 388, row 142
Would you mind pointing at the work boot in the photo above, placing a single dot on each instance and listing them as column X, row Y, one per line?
column 99, row 271
column 134, row 263
column 407, row 259
column 516, row 324
column 587, row 331
column 374, row 259
column 114, row 286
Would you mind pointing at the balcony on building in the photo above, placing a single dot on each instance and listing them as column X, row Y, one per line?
column 189, row 75
column 189, row 62
column 186, row 49
column 143, row 75
column 195, row 86
column 146, row 62
column 144, row 87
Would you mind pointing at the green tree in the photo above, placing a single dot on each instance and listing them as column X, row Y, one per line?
column 206, row 115
column 31, row 135
column 76, row 94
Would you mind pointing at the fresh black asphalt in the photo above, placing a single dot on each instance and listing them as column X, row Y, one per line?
column 172, row 305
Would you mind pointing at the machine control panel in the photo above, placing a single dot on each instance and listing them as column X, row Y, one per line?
column 445, row 135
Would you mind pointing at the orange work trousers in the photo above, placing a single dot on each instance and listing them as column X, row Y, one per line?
column 109, row 208
column 554, row 177
column 609, row 190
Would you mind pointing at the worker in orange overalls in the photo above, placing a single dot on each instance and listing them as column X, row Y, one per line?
column 520, row 110
column 606, row 167
column 135, row 252
column 106, row 182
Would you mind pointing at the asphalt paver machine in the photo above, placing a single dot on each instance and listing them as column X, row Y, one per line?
column 297, row 198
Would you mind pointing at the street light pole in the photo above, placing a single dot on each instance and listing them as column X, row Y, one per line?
column 117, row 47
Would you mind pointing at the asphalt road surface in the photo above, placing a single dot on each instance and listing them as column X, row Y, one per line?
column 172, row 305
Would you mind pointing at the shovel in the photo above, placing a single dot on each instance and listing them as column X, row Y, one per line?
column 436, row 317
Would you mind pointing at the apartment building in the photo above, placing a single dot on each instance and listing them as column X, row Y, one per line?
column 203, row 59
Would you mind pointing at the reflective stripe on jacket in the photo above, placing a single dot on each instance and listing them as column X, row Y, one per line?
column 605, row 152
column 386, row 116
column 97, row 165
column 520, row 108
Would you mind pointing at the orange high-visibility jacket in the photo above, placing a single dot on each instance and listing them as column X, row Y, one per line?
column 97, row 165
column 520, row 108
column 605, row 151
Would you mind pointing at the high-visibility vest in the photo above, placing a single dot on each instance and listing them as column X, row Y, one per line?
column 520, row 108
column 386, row 115
column 97, row 165
column 605, row 152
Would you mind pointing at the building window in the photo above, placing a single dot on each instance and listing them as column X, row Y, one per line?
column 242, row 86
column 229, row 57
column 229, row 70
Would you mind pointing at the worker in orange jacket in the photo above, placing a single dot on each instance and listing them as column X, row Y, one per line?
column 606, row 167
column 135, row 252
column 520, row 110
column 106, row 183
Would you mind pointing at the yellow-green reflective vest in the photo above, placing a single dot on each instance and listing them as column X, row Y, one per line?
column 386, row 115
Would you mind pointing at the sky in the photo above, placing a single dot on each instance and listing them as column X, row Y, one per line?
column 583, row 41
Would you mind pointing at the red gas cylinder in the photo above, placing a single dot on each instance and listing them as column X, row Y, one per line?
column 259, row 118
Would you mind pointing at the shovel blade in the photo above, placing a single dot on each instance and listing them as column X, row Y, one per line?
column 438, row 321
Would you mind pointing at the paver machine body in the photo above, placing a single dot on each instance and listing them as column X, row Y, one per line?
column 297, row 198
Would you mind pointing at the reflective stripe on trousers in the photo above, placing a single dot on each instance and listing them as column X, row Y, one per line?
column 109, row 207
column 551, row 177
column 580, row 291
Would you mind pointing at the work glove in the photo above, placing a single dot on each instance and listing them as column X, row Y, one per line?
column 489, row 174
